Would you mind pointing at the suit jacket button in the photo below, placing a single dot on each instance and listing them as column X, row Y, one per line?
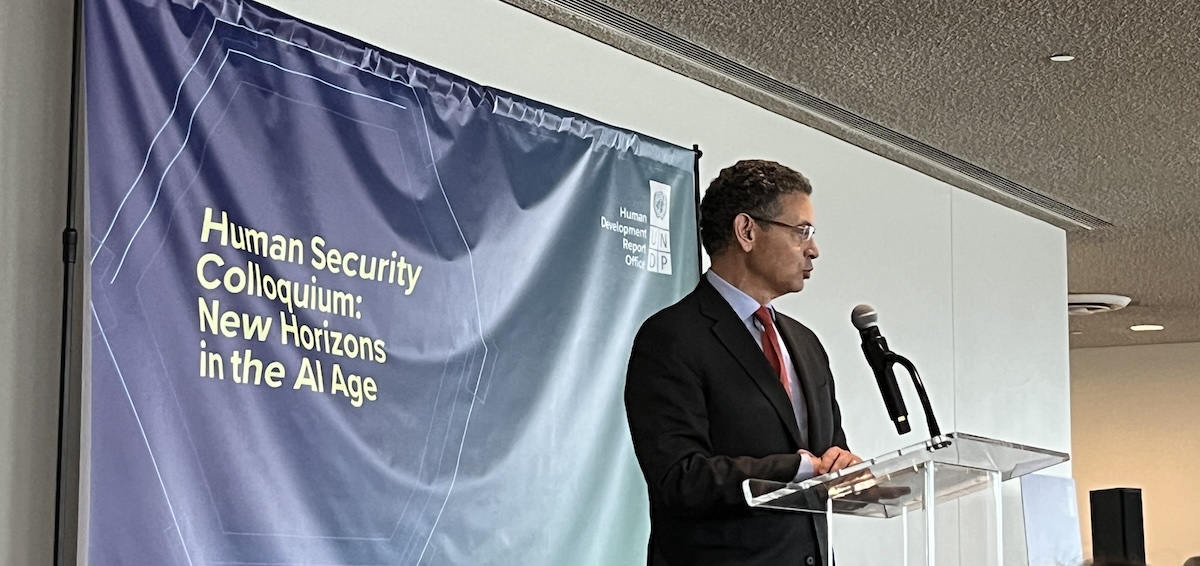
column 810, row 561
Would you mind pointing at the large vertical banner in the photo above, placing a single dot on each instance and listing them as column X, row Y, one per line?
column 346, row 308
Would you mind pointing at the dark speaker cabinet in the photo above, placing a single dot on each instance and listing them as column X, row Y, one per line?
column 1117, row 532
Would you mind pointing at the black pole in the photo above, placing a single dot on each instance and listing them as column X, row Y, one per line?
column 696, row 178
column 70, row 246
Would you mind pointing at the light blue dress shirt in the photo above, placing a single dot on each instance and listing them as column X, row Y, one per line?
column 745, row 306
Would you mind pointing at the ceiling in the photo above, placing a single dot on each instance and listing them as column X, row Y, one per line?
column 1113, row 135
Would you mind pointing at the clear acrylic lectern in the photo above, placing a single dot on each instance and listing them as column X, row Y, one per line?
column 918, row 477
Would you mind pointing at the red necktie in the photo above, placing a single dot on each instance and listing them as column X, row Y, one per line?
column 771, row 347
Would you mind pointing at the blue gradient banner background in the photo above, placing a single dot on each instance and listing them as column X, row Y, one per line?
column 460, row 403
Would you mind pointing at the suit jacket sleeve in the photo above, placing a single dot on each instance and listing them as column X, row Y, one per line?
column 666, row 398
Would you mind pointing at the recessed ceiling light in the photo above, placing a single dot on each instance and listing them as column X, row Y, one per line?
column 1145, row 327
column 1076, row 332
column 1062, row 57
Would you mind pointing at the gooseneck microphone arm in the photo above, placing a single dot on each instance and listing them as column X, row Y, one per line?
column 934, row 430
column 881, row 359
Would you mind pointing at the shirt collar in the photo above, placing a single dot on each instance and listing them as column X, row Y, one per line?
column 743, row 305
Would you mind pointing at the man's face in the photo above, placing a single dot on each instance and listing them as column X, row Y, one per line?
column 780, row 259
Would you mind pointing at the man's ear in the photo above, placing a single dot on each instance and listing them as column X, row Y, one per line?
column 743, row 231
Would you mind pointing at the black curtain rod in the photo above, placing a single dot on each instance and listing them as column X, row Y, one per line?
column 70, row 240
column 696, row 179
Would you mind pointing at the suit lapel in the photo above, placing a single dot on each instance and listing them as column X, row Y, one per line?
column 799, row 351
column 732, row 334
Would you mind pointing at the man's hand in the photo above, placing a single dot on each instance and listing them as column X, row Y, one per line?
column 833, row 460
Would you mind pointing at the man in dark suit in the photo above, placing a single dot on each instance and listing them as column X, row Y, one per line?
column 721, row 388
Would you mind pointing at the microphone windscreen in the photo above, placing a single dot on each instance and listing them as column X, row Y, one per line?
column 864, row 317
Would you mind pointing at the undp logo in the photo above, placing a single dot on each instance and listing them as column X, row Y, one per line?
column 658, row 257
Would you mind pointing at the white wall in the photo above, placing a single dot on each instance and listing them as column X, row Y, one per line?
column 35, row 62
column 968, row 290
column 1135, row 421
column 1010, row 338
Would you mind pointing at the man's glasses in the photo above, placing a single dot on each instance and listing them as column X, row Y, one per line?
column 803, row 231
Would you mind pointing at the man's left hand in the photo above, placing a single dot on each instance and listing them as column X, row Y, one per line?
column 833, row 460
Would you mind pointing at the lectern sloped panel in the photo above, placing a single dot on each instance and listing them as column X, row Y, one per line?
column 886, row 485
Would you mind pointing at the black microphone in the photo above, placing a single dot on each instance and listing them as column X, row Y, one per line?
column 880, row 358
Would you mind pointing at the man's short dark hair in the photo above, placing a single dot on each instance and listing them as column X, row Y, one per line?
column 752, row 186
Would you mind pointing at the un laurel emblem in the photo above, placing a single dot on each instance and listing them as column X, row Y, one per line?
column 660, row 205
